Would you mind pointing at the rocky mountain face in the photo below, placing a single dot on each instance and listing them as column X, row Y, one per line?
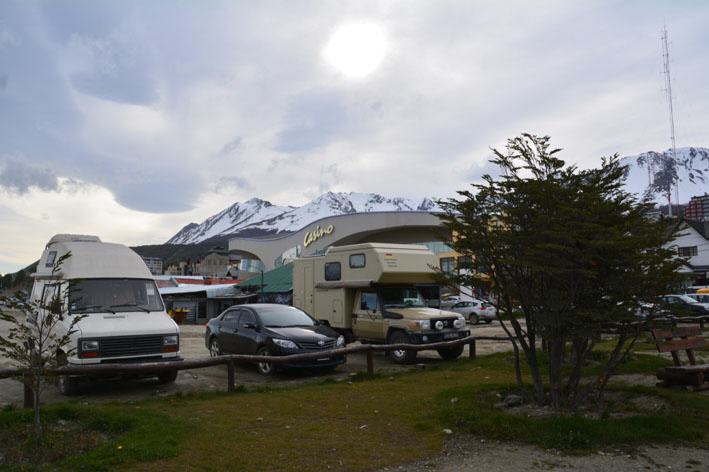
column 258, row 217
column 652, row 173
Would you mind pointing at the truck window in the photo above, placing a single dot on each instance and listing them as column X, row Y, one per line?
column 368, row 301
column 357, row 261
column 400, row 297
column 333, row 271
column 119, row 295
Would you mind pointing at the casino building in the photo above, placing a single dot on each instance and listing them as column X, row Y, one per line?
column 405, row 227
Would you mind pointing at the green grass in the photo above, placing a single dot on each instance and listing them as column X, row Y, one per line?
column 364, row 424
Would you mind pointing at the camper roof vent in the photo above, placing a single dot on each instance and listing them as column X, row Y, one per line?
column 73, row 238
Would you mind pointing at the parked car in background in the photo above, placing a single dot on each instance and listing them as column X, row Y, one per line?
column 272, row 330
column 701, row 298
column 685, row 306
column 449, row 301
column 475, row 311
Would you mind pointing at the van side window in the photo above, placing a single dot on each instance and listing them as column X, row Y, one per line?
column 357, row 261
column 51, row 257
column 333, row 271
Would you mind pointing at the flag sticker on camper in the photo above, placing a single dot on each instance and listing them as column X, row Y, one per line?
column 390, row 259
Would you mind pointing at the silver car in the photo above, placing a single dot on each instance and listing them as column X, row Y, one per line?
column 475, row 311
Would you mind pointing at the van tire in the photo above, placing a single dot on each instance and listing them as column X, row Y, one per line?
column 67, row 385
column 451, row 353
column 401, row 357
column 167, row 377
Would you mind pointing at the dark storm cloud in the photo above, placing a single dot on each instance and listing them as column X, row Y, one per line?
column 18, row 177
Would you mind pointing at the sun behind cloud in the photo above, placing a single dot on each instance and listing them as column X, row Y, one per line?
column 356, row 49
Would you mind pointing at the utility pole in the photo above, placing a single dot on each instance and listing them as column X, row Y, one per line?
column 668, row 93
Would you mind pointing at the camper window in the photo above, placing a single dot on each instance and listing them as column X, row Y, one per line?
column 357, row 261
column 51, row 257
column 118, row 295
column 333, row 271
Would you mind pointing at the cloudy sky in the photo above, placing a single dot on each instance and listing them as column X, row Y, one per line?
column 130, row 119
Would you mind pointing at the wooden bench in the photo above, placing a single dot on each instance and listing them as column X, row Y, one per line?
column 677, row 339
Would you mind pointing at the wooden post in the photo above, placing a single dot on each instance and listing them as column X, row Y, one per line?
column 28, row 401
column 471, row 349
column 370, row 362
column 230, row 387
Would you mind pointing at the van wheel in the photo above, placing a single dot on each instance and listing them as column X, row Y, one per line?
column 67, row 385
column 451, row 352
column 167, row 377
column 401, row 356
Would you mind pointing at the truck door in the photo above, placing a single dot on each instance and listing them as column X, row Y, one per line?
column 367, row 320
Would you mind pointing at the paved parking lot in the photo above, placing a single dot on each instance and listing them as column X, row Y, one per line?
column 214, row 378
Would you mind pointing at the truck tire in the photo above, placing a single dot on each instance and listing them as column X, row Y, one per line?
column 167, row 377
column 451, row 352
column 401, row 356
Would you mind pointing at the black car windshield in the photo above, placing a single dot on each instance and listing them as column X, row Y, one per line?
column 282, row 316
column 113, row 295
column 399, row 297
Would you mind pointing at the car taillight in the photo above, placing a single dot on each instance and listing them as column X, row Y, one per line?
column 482, row 307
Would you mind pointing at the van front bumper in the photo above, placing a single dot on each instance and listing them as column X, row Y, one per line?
column 437, row 336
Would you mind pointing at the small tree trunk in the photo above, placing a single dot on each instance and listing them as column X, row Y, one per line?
column 36, row 405
column 556, row 358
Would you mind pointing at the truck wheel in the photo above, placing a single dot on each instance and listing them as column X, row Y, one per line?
column 473, row 318
column 401, row 356
column 451, row 352
column 265, row 368
column 167, row 377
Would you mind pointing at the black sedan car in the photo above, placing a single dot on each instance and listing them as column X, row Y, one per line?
column 272, row 330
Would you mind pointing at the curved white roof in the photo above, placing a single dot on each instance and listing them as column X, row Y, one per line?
column 91, row 258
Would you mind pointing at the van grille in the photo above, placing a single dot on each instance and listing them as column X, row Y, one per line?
column 117, row 346
column 314, row 346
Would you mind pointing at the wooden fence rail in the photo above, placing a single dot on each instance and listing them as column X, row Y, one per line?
column 231, row 359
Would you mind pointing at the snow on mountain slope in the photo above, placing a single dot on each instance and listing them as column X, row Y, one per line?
column 258, row 216
column 228, row 221
column 691, row 165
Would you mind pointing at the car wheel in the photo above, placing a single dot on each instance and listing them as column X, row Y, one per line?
column 265, row 368
column 473, row 318
column 215, row 350
column 488, row 321
column 451, row 352
column 401, row 356
column 167, row 377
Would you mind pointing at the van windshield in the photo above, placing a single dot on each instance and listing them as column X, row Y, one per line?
column 113, row 295
column 400, row 297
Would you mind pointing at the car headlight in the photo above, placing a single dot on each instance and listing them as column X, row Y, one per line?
column 89, row 346
column 285, row 343
column 170, row 340
column 341, row 341
column 420, row 324
column 459, row 323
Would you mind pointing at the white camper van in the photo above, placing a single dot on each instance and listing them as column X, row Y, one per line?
column 110, row 285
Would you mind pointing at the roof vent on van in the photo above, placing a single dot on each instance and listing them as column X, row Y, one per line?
column 66, row 238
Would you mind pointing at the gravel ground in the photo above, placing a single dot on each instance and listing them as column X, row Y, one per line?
column 465, row 453
column 214, row 378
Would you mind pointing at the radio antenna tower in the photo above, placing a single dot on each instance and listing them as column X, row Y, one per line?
column 668, row 93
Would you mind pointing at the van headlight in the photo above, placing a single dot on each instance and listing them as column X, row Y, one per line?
column 171, row 340
column 459, row 323
column 285, row 343
column 341, row 341
column 89, row 346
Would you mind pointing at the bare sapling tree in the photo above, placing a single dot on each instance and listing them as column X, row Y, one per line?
column 572, row 252
column 39, row 335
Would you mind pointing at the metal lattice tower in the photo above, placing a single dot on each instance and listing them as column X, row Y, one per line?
column 668, row 93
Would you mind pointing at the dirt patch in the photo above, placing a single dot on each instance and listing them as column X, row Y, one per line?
column 466, row 453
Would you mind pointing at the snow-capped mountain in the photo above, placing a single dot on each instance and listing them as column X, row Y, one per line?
column 691, row 166
column 261, row 217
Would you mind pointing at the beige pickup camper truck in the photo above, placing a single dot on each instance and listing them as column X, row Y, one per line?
column 371, row 292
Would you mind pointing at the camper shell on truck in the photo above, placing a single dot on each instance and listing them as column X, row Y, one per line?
column 109, row 285
column 373, row 292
